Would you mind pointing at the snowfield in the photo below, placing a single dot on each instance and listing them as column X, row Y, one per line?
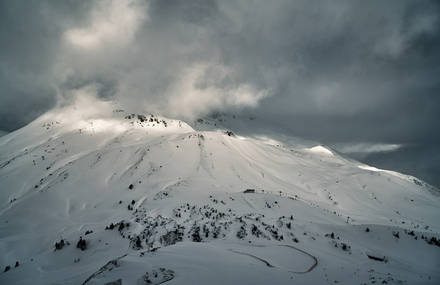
column 157, row 201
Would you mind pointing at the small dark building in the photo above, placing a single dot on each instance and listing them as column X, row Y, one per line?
column 249, row 191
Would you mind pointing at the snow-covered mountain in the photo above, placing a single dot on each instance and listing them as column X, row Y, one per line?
column 142, row 199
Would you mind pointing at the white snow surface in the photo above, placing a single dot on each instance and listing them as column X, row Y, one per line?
column 319, row 149
column 175, row 195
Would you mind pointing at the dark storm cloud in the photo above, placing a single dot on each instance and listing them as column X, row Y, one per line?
column 347, row 71
column 335, row 71
column 29, row 40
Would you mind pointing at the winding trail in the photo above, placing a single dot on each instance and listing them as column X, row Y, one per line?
column 268, row 264
column 306, row 253
column 253, row 256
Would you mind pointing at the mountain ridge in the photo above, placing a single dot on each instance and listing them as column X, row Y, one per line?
column 156, row 186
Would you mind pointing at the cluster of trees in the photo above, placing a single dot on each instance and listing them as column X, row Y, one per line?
column 8, row 267
column 60, row 244
column 81, row 244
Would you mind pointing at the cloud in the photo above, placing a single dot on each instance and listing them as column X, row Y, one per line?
column 202, row 89
column 148, row 64
column 113, row 23
column 367, row 147
column 397, row 38
column 83, row 104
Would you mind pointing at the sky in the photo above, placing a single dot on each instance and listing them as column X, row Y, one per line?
column 360, row 76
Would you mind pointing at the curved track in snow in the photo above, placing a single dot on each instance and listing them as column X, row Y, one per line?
column 302, row 251
column 268, row 264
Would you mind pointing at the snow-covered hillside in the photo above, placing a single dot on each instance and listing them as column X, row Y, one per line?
column 141, row 199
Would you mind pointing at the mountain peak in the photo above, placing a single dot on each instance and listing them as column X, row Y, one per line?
column 140, row 192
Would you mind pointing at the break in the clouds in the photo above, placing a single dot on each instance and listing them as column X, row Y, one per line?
column 336, row 71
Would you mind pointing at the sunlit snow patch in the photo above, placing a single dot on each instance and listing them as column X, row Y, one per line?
column 269, row 141
column 394, row 173
column 319, row 149
column 371, row 168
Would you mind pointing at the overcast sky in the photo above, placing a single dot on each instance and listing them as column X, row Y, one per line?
column 363, row 75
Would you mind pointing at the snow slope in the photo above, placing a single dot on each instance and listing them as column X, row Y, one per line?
column 163, row 201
